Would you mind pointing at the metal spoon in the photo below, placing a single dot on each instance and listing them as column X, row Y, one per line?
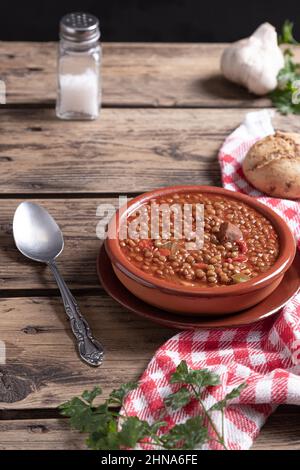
column 38, row 237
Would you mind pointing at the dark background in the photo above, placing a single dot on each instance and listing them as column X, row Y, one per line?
column 148, row 20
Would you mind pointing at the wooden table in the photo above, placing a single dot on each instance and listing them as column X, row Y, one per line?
column 166, row 111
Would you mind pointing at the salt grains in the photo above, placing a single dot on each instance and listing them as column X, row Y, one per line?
column 79, row 93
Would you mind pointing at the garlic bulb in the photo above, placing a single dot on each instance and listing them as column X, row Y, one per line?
column 254, row 61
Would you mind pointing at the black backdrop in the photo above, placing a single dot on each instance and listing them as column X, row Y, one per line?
column 148, row 20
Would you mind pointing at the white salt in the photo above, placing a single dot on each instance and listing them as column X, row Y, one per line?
column 79, row 93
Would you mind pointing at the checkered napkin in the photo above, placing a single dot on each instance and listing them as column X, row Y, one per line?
column 265, row 354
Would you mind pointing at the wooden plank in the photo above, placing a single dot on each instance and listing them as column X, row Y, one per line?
column 133, row 75
column 125, row 151
column 42, row 368
column 78, row 220
column 43, row 434
column 281, row 432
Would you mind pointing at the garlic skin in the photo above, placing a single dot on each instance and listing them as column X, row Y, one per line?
column 254, row 61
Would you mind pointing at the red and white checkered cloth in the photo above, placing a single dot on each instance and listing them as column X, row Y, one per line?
column 265, row 354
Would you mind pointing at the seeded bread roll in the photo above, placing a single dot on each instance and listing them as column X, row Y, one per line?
column 272, row 165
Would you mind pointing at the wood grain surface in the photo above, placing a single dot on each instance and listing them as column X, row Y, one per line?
column 171, row 75
column 73, row 167
column 281, row 432
column 42, row 367
column 124, row 151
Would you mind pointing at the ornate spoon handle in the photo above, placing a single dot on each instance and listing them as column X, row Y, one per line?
column 90, row 350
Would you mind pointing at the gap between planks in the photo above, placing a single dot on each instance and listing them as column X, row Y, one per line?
column 94, row 195
column 128, row 106
column 280, row 432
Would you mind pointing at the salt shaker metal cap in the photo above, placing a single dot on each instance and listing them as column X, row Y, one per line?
column 79, row 27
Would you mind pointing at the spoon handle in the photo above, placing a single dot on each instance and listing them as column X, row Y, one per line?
column 90, row 350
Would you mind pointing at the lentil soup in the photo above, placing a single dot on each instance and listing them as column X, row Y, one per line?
column 239, row 244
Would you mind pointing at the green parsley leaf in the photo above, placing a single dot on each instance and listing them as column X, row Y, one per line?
column 286, row 36
column 188, row 435
column 286, row 97
column 203, row 378
column 181, row 373
column 235, row 392
column 156, row 426
column 178, row 399
column 90, row 396
column 199, row 378
column 83, row 417
column 133, row 431
column 108, row 441
column 117, row 396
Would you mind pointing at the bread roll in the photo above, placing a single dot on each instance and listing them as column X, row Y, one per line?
column 272, row 165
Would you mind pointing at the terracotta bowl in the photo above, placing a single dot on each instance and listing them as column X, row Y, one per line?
column 200, row 300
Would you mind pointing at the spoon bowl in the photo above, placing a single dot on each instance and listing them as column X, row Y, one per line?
column 36, row 233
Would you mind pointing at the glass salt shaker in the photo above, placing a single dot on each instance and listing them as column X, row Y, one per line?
column 79, row 60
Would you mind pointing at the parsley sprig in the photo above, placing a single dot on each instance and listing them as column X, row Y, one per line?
column 283, row 97
column 286, row 36
column 110, row 429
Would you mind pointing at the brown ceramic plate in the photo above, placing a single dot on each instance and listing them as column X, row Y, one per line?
column 269, row 306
